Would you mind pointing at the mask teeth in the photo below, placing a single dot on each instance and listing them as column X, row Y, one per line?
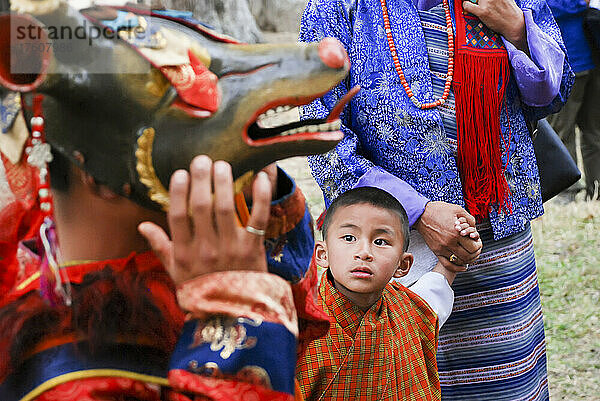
column 324, row 127
column 272, row 117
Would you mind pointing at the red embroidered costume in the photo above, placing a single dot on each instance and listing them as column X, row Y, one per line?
column 126, row 335
column 142, row 95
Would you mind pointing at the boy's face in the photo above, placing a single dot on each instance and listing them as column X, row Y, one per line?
column 364, row 249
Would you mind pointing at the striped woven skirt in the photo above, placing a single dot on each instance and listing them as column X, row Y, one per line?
column 492, row 347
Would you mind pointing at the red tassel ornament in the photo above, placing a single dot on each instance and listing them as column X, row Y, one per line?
column 481, row 74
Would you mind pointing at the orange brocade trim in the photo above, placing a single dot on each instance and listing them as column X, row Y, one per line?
column 218, row 389
column 286, row 215
column 255, row 295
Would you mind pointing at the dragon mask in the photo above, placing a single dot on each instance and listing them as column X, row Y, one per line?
column 132, row 94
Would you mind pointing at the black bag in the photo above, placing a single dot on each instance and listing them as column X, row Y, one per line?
column 558, row 171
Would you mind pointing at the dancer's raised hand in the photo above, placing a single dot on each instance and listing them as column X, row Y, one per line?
column 205, row 235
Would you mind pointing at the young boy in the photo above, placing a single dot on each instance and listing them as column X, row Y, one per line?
column 383, row 337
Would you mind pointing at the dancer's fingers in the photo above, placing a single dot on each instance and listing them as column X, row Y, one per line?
column 261, row 204
column 224, row 208
column 179, row 223
column 201, row 198
column 159, row 241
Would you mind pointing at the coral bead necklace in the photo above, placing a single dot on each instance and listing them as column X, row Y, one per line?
column 405, row 85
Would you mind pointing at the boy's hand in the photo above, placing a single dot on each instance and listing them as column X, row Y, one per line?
column 465, row 229
column 470, row 239
column 205, row 235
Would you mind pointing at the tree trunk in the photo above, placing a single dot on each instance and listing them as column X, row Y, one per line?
column 231, row 17
column 278, row 15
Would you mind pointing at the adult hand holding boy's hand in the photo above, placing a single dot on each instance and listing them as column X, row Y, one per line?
column 437, row 226
column 205, row 235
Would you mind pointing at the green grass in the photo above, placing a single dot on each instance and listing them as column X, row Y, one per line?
column 567, row 248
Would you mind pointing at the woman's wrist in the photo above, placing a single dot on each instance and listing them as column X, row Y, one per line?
column 516, row 33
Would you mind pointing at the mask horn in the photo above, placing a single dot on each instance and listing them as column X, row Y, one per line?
column 25, row 52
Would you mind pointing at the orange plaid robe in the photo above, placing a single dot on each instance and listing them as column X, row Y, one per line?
column 386, row 353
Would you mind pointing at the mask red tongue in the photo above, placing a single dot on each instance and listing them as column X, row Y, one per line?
column 196, row 85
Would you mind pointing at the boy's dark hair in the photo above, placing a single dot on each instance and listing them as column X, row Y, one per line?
column 371, row 196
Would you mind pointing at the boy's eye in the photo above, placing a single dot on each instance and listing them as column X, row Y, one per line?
column 348, row 238
column 380, row 242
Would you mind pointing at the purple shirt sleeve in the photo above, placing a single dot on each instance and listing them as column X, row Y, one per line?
column 414, row 203
column 538, row 77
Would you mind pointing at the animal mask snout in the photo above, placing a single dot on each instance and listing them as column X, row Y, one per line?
column 332, row 53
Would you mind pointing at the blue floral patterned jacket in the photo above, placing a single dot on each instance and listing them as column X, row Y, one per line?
column 384, row 128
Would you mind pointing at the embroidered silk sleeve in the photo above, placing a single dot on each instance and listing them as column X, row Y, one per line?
column 538, row 77
column 240, row 340
column 253, row 295
column 544, row 20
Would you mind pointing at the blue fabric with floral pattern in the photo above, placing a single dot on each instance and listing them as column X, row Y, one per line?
column 383, row 127
column 10, row 105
